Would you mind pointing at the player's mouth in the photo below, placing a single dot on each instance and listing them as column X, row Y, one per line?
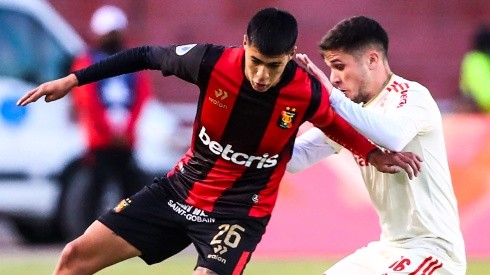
column 260, row 87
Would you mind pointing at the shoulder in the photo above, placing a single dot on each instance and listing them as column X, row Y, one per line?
column 410, row 91
column 400, row 84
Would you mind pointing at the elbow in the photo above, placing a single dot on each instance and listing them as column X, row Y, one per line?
column 393, row 143
column 293, row 167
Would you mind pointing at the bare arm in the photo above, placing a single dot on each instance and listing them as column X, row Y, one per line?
column 52, row 90
column 124, row 62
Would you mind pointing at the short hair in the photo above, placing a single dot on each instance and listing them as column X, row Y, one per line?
column 273, row 31
column 355, row 33
column 482, row 39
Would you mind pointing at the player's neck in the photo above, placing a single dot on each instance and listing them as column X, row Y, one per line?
column 384, row 79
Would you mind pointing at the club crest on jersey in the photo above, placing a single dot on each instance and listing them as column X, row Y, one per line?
column 121, row 205
column 286, row 118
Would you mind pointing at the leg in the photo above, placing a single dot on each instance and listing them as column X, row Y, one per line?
column 225, row 245
column 96, row 249
column 203, row 271
column 365, row 260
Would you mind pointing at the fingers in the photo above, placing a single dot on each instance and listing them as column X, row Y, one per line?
column 408, row 168
column 413, row 160
column 310, row 66
column 303, row 60
column 29, row 97
column 394, row 162
column 410, row 162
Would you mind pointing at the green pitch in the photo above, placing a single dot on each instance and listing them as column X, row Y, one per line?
column 44, row 264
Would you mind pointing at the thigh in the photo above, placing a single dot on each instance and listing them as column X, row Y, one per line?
column 364, row 261
column 225, row 245
column 146, row 221
column 378, row 258
column 423, row 260
column 99, row 247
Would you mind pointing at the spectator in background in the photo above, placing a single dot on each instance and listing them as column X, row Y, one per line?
column 108, row 111
column 475, row 71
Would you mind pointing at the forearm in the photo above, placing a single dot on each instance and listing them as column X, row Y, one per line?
column 392, row 133
column 127, row 61
column 309, row 149
column 345, row 135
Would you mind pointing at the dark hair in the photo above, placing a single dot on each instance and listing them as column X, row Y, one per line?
column 482, row 39
column 273, row 31
column 353, row 34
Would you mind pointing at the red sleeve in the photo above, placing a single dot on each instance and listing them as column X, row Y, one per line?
column 344, row 134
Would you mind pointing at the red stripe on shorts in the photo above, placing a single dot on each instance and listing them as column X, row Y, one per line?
column 241, row 263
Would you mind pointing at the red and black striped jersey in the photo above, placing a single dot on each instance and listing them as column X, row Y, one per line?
column 242, row 139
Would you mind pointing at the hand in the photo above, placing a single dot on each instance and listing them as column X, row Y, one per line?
column 392, row 162
column 52, row 90
column 311, row 68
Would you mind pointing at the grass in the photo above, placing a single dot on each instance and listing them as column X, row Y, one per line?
column 43, row 263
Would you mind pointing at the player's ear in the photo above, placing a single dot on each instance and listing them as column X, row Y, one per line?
column 245, row 40
column 373, row 59
column 292, row 53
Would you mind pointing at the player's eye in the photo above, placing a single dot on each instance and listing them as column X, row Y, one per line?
column 274, row 66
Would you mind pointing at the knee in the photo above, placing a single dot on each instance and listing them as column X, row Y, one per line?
column 203, row 271
column 69, row 255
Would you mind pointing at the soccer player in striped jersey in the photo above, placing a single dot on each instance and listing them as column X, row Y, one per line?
column 420, row 230
column 220, row 195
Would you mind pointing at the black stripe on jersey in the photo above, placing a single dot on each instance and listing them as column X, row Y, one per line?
column 256, row 109
column 316, row 89
column 252, row 112
column 210, row 59
column 202, row 167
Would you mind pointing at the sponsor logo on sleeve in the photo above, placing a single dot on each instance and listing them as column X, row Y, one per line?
column 183, row 49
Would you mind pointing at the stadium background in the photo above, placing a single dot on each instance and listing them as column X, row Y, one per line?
column 325, row 210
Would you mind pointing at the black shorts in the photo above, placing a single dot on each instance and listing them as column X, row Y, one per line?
column 160, row 227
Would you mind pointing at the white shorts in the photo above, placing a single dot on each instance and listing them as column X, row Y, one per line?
column 382, row 259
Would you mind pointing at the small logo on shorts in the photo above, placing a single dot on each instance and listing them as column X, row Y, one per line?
column 121, row 205
column 217, row 258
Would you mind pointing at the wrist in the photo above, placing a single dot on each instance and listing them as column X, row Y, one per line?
column 371, row 153
column 72, row 80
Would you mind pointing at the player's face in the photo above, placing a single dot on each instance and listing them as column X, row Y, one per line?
column 349, row 73
column 261, row 70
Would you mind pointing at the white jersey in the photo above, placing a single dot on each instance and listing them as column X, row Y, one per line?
column 403, row 117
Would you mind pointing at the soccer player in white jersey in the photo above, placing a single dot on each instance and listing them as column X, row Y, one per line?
column 420, row 231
